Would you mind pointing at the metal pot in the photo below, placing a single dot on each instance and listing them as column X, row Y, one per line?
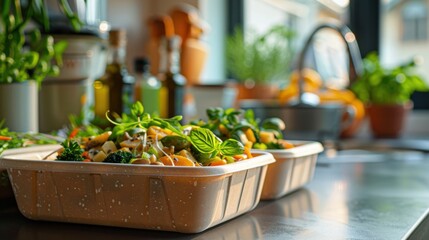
column 304, row 122
column 90, row 13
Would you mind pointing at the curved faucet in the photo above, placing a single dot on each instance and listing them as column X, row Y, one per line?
column 355, row 64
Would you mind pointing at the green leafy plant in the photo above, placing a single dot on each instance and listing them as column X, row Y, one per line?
column 26, row 54
column 263, row 58
column 380, row 85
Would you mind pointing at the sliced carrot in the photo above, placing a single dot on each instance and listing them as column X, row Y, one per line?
column 240, row 157
column 5, row 138
column 177, row 160
column 286, row 144
column 219, row 162
column 247, row 148
column 167, row 160
column 74, row 132
column 85, row 155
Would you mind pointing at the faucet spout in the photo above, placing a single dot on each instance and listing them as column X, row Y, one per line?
column 355, row 59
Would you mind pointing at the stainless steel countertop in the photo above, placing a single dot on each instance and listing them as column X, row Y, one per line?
column 357, row 194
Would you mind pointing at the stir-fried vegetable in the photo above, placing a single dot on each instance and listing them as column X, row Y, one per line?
column 5, row 138
column 244, row 127
column 10, row 139
column 139, row 138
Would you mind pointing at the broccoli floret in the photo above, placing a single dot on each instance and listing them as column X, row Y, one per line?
column 119, row 157
column 72, row 151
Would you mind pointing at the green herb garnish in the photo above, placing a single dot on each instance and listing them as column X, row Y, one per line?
column 119, row 157
column 206, row 142
column 139, row 119
column 72, row 151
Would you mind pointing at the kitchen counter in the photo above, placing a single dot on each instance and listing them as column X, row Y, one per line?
column 355, row 194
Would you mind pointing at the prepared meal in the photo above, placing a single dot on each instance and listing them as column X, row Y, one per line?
column 140, row 138
column 295, row 160
column 168, row 198
column 243, row 126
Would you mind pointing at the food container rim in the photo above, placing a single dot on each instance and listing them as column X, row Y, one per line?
column 29, row 158
column 302, row 148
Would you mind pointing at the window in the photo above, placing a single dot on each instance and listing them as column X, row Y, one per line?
column 414, row 21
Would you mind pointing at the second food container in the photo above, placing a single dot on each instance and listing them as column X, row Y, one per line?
column 293, row 168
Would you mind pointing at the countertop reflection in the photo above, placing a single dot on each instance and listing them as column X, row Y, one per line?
column 354, row 195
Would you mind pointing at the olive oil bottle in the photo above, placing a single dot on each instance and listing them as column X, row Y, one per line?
column 173, row 83
column 148, row 87
column 114, row 91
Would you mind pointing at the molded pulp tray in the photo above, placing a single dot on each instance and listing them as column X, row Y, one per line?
column 293, row 168
column 180, row 199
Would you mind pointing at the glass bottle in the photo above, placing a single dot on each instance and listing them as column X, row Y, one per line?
column 148, row 87
column 173, row 83
column 114, row 91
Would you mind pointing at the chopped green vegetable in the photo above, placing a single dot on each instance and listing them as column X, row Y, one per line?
column 72, row 151
column 19, row 140
column 119, row 157
column 178, row 142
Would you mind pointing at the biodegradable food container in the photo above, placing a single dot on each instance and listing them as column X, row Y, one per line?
column 293, row 168
column 180, row 199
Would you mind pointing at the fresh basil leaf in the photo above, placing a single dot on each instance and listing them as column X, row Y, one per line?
column 204, row 140
column 214, row 154
column 231, row 147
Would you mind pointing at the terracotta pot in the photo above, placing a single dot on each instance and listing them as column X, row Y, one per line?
column 388, row 121
column 257, row 91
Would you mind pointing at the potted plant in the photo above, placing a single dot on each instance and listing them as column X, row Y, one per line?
column 259, row 61
column 26, row 58
column 386, row 93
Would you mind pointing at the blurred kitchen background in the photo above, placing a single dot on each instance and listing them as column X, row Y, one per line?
column 396, row 29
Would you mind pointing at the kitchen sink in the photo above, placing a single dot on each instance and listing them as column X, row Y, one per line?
column 421, row 145
column 374, row 150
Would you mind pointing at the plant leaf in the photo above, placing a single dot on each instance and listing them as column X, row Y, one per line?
column 204, row 140
column 231, row 147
